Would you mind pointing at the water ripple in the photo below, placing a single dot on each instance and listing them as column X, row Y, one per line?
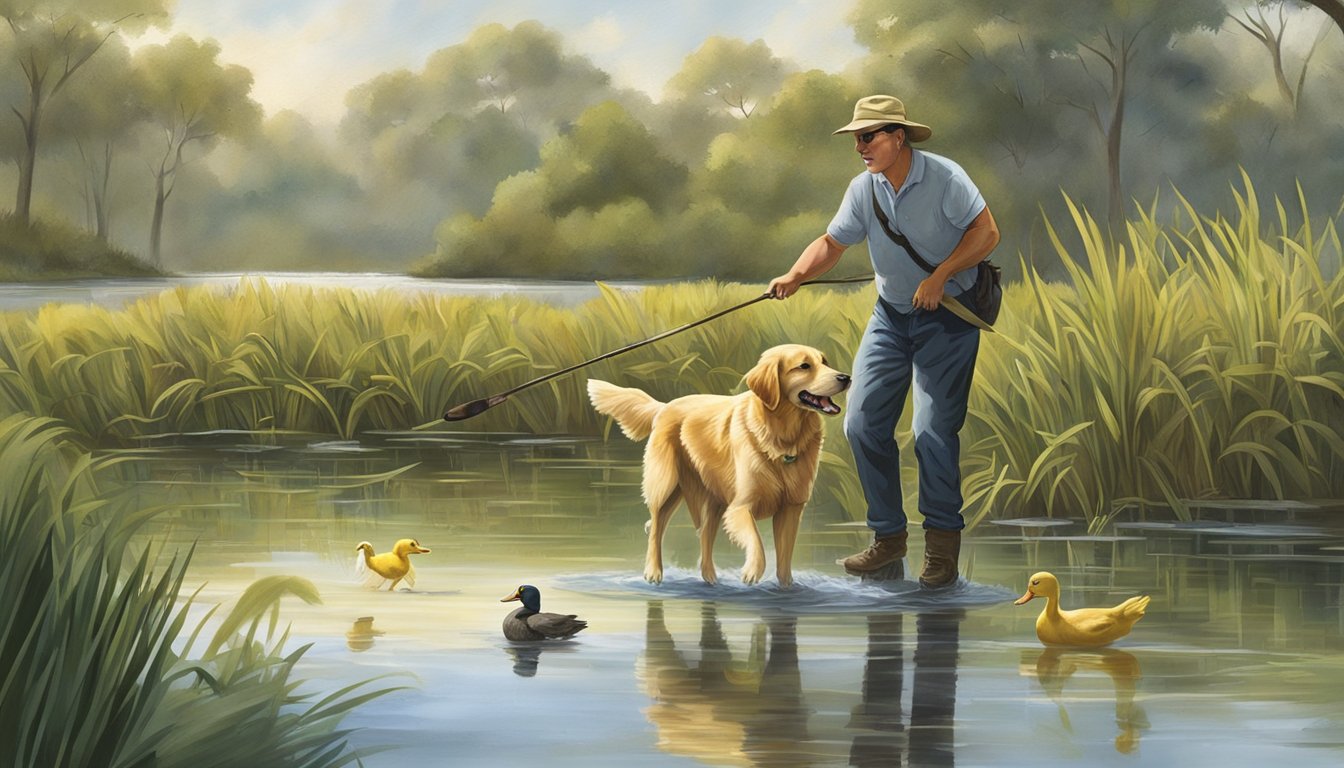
column 811, row 592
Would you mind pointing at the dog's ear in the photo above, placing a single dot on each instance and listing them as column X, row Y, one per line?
column 763, row 381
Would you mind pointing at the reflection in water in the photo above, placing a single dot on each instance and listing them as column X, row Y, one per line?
column 884, row 738
column 562, row 505
column 360, row 636
column 724, row 710
column 526, row 656
column 1054, row 666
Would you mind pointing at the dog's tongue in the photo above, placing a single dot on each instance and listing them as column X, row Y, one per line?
column 821, row 402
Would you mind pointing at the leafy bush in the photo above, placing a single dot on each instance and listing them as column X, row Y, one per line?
column 46, row 250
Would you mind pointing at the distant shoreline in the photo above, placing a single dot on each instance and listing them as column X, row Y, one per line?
column 117, row 292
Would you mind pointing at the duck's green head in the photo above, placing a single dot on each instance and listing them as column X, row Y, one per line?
column 529, row 595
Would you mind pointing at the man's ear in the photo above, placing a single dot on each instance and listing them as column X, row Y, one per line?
column 763, row 381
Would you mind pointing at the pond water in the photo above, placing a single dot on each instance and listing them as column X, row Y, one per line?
column 117, row 292
column 1238, row 661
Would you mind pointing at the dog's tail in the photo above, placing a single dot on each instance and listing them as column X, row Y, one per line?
column 633, row 409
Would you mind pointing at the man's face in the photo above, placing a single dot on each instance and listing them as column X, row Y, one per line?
column 880, row 150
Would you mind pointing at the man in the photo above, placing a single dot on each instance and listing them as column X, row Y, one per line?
column 933, row 203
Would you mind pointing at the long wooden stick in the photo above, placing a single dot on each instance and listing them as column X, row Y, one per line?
column 477, row 407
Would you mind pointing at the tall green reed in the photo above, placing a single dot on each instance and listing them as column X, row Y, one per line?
column 1183, row 360
column 89, row 671
column 1186, row 361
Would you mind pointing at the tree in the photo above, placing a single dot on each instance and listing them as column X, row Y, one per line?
column 433, row 143
column 52, row 40
column 1271, row 37
column 193, row 99
column 729, row 73
column 99, row 115
column 608, row 156
column 1333, row 8
column 786, row 161
column 1094, row 57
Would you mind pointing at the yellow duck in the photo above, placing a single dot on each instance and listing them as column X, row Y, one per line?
column 1084, row 627
column 394, row 566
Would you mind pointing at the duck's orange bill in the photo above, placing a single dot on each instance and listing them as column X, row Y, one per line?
column 517, row 595
column 1025, row 598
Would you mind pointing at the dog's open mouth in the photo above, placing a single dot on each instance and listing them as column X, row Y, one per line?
column 818, row 402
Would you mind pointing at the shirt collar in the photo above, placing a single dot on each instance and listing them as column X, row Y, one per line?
column 912, row 178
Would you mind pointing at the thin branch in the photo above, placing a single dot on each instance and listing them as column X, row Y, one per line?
column 1326, row 26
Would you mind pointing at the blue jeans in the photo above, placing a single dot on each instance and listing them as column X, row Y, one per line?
column 937, row 351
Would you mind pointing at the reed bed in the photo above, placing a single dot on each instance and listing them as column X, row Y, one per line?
column 95, row 669
column 1185, row 360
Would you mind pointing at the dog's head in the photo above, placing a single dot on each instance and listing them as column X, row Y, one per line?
column 797, row 375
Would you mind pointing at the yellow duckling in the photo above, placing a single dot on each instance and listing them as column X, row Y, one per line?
column 1085, row 627
column 394, row 566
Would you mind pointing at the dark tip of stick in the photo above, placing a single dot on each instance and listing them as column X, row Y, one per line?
column 467, row 410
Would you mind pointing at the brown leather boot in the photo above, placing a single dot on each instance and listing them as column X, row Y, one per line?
column 941, row 549
column 881, row 552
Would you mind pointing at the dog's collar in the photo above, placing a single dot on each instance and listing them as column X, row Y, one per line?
column 788, row 459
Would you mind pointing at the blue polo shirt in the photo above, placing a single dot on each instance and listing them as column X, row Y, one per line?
column 933, row 208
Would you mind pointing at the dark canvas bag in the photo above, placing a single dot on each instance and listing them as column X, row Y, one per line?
column 988, row 292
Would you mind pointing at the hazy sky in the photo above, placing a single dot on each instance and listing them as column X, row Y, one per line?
column 306, row 54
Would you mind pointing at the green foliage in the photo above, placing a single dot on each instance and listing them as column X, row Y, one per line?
column 89, row 672
column 1198, row 358
column 51, row 250
column 607, row 157
column 725, row 73
column 1205, row 359
column 606, row 203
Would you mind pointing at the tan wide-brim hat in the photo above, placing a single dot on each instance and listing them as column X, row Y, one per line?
column 876, row 111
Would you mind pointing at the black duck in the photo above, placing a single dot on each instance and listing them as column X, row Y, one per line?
column 529, row 623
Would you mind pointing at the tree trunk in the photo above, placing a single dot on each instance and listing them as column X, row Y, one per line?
column 156, row 228
column 1276, row 53
column 1116, row 195
column 1333, row 8
column 28, row 160
column 102, row 214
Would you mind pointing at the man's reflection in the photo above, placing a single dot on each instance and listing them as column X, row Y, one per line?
column 1054, row 666
column 884, row 738
column 726, row 709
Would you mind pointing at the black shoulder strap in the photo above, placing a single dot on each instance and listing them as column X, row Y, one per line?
column 896, row 237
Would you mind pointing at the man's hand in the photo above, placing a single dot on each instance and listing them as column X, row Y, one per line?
column 929, row 294
column 784, row 286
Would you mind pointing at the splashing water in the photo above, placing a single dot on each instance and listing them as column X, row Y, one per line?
column 811, row 592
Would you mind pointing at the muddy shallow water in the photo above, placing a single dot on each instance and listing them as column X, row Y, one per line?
column 1238, row 662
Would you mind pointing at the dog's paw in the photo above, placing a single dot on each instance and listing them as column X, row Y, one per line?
column 785, row 580
column 653, row 575
column 710, row 576
column 751, row 574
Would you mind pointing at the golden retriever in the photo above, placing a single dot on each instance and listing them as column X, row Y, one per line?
column 735, row 459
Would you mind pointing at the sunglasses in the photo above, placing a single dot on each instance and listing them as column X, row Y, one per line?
column 868, row 136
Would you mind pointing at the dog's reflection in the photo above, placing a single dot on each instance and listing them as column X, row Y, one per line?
column 722, row 708
column 884, row 737
column 1053, row 667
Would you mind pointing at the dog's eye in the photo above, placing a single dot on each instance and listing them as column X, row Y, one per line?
column 805, row 366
